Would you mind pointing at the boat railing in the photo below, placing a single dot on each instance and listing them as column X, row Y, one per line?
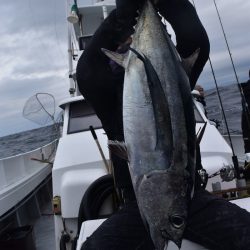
column 15, row 168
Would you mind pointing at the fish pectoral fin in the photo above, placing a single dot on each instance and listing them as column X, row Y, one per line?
column 119, row 149
column 116, row 57
column 189, row 62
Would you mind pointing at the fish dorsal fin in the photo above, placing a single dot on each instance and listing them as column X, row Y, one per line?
column 189, row 62
column 119, row 149
column 120, row 59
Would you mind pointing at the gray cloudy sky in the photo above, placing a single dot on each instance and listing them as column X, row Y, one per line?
column 33, row 53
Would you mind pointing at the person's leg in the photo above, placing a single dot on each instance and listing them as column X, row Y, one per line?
column 217, row 224
column 199, row 63
column 123, row 230
column 213, row 223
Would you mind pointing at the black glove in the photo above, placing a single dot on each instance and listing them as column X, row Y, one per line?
column 126, row 12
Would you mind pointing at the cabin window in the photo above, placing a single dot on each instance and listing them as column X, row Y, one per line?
column 81, row 116
column 84, row 41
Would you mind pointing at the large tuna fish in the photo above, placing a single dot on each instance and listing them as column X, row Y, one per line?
column 159, row 128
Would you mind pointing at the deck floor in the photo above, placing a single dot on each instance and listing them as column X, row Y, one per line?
column 44, row 230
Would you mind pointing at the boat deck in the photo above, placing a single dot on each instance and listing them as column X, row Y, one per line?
column 44, row 232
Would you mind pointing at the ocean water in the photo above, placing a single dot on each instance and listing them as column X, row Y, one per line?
column 26, row 141
column 231, row 102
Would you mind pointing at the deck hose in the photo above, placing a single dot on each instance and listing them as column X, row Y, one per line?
column 92, row 201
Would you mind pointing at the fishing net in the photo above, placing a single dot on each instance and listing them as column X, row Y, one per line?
column 40, row 108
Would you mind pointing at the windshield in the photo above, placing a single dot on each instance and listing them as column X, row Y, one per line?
column 81, row 116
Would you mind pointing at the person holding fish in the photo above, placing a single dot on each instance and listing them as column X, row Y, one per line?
column 167, row 210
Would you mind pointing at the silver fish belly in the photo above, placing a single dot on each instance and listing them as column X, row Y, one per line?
column 159, row 129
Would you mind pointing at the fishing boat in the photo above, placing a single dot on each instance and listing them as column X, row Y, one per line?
column 25, row 188
column 77, row 174
column 81, row 178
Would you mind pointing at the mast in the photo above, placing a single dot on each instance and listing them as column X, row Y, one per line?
column 69, row 9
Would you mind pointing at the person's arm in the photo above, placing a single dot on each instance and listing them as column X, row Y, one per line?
column 95, row 77
column 114, row 30
column 93, row 60
column 94, row 74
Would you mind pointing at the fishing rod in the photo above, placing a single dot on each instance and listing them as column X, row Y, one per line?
column 234, row 157
column 92, row 130
column 245, row 104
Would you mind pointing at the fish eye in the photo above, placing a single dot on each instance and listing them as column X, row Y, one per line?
column 177, row 221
